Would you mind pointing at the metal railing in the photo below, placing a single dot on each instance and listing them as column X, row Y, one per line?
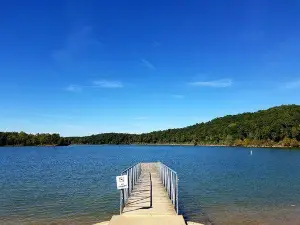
column 169, row 179
column 133, row 173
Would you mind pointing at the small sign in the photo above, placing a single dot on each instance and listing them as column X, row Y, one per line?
column 122, row 182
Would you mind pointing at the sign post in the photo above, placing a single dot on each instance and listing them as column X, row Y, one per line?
column 122, row 183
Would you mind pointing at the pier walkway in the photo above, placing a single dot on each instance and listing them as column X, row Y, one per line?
column 151, row 198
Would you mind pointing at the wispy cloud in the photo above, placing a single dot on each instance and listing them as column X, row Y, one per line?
column 107, row 84
column 76, row 42
column 73, row 88
column 292, row 84
column 156, row 44
column 214, row 83
column 147, row 64
column 141, row 118
column 95, row 84
column 178, row 96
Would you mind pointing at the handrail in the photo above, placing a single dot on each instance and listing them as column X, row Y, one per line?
column 169, row 179
column 133, row 173
column 129, row 168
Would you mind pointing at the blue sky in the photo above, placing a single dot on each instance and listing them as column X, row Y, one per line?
column 83, row 67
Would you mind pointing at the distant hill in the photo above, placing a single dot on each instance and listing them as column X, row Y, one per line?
column 277, row 126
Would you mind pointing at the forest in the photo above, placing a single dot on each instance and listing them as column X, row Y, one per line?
column 278, row 126
column 24, row 139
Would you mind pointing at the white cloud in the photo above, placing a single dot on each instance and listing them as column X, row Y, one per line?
column 95, row 84
column 141, row 118
column 73, row 88
column 147, row 64
column 107, row 84
column 178, row 96
column 293, row 84
column 214, row 83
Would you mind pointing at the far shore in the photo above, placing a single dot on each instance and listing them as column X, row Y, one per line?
column 165, row 144
column 199, row 145
column 219, row 145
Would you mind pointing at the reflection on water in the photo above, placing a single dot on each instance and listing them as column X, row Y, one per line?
column 218, row 185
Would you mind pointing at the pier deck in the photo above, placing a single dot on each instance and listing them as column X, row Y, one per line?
column 146, row 199
column 149, row 202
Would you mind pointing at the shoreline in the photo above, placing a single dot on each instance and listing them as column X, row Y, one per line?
column 17, row 146
column 219, row 145
column 198, row 145
column 164, row 144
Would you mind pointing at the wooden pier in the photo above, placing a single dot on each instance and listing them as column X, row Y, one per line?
column 152, row 199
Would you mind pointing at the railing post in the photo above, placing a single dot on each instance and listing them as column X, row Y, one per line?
column 177, row 193
column 168, row 176
column 128, row 184
column 165, row 173
column 172, row 188
column 168, row 182
column 169, row 179
column 130, row 174
column 121, row 202
column 133, row 173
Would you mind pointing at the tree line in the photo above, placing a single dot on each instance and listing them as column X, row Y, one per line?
column 277, row 126
column 24, row 139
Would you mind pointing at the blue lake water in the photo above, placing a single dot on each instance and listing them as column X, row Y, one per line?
column 217, row 185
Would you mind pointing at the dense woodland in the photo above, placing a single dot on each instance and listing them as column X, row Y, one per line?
column 277, row 126
column 23, row 139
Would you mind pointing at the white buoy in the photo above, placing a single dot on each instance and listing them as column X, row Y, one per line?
column 251, row 152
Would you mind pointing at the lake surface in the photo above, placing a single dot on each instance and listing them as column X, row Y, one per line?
column 218, row 185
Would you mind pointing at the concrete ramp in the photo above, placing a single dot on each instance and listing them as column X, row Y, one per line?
column 147, row 220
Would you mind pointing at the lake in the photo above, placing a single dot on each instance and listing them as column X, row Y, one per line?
column 217, row 185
